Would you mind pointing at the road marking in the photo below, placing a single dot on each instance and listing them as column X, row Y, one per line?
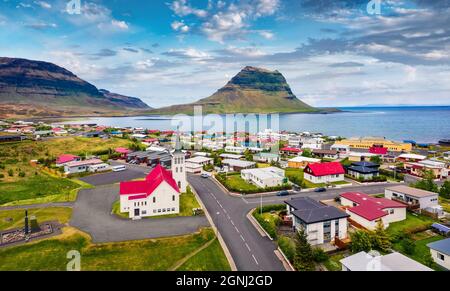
column 255, row 259
column 232, row 222
column 237, row 229
column 243, row 239
column 246, row 244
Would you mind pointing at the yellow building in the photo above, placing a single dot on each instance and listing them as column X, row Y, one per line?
column 367, row 143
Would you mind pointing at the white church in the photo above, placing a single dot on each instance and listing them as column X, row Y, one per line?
column 158, row 194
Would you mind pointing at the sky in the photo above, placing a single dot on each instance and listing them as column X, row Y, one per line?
column 332, row 53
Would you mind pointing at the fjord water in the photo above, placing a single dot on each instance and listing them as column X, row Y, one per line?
column 422, row 124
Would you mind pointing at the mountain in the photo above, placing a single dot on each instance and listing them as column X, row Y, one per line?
column 38, row 87
column 252, row 90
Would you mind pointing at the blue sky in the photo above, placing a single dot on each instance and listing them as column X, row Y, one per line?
column 333, row 53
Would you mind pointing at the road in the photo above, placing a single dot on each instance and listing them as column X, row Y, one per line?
column 251, row 251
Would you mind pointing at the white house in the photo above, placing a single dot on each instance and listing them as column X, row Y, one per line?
column 264, row 177
column 363, row 261
column 322, row 223
column 157, row 195
column 235, row 150
column 266, row 158
column 368, row 211
column 231, row 156
column 81, row 166
column 237, row 165
column 312, row 143
column 342, row 149
column 413, row 196
column 440, row 252
column 195, row 164
column 318, row 173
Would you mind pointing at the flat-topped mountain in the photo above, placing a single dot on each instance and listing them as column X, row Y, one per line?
column 36, row 85
column 252, row 90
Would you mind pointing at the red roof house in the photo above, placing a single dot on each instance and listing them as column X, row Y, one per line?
column 367, row 210
column 291, row 150
column 325, row 169
column 66, row 158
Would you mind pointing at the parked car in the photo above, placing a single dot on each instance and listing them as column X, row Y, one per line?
column 283, row 193
column 321, row 189
column 205, row 175
column 119, row 168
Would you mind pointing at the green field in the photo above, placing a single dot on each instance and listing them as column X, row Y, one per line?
column 236, row 182
column 27, row 183
column 155, row 254
column 187, row 203
column 41, row 187
column 411, row 223
column 333, row 264
column 293, row 174
column 445, row 203
column 10, row 219
column 211, row 258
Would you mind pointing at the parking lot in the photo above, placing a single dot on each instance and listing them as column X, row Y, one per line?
column 113, row 177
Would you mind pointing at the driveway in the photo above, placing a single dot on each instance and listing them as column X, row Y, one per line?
column 92, row 214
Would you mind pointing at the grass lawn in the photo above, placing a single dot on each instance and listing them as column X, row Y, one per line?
column 410, row 223
column 187, row 203
column 421, row 249
column 236, row 182
column 210, row 259
column 333, row 264
column 61, row 214
column 155, row 254
column 445, row 203
column 294, row 172
column 41, row 187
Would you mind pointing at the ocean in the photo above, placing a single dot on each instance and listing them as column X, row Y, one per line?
column 424, row 124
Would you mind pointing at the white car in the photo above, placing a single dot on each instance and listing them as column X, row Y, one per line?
column 119, row 168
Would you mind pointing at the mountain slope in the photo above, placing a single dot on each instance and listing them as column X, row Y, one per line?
column 30, row 83
column 252, row 90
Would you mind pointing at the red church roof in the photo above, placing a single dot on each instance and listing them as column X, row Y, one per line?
column 325, row 169
column 151, row 182
column 369, row 207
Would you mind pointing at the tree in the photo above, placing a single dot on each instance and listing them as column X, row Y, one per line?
column 307, row 153
column 408, row 245
column 376, row 160
column 428, row 260
column 444, row 192
column 380, row 238
column 360, row 241
column 427, row 182
column 304, row 258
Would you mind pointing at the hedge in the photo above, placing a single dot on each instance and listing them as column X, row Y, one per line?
column 222, row 179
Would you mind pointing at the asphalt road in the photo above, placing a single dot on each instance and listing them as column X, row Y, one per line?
column 113, row 177
column 251, row 251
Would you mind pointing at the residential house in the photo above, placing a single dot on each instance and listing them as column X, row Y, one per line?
column 301, row 162
column 151, row 158
column 418, row 198
column 363, row 170
column 195, row 165
column 381, row 151
column 367, row 211
column 326, row 154
column 264, row 177
column 123, row 152
column 343, row 150
column 290, row 151
column 363, row 261
column 321, row 223
column 231, row 165
column 440, row 252
column 266, row 158
column 66, row 158
column 360, row 156
column 235, row 150
column 319, row 173
column 312, row 143
column 231, row 156
column 80, row 166
column 438, row 169
column 157, row 195
column 410, row 158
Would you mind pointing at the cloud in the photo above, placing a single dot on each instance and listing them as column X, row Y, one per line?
column 41, row 25
column 180, row 26
column 131, row 50
column 189, row 53
column 346, row 65
column 182, row 8
column 43, row 4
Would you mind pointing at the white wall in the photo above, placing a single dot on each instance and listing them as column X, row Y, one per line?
column 324, row 179
column 424, row 201
column 315, row 230
column 399, row 214
column 163, row 194
column 445, row 263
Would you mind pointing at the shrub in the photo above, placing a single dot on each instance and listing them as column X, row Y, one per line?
column 10, row 172
column 287, row 246
column 408, row 246
column 2, row 176
column 21, row 174
column 320, row 255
